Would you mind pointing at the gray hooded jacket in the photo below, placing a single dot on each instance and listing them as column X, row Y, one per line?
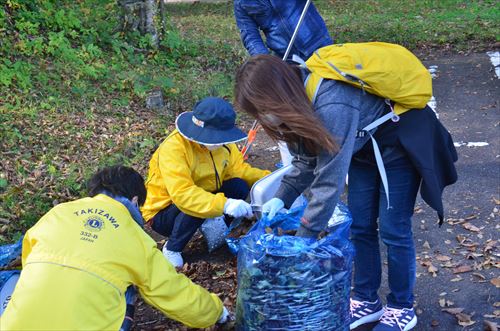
column 343, row 109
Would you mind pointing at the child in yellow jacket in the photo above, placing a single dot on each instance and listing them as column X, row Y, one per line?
column 198, row 173
column 82, row 256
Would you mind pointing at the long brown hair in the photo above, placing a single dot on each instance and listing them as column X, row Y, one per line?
column 272, row 91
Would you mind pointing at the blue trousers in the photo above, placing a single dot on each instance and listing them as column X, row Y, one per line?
column 368, row 203
column 180, row 227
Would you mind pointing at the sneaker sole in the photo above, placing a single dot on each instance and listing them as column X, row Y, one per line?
column 368, row 319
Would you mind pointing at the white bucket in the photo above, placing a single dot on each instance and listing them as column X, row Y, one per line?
column 286, row 157
column 265, row 188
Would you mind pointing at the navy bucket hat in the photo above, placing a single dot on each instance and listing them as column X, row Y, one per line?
column 212, row 122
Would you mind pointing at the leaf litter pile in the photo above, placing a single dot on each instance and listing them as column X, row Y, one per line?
column 216, row 272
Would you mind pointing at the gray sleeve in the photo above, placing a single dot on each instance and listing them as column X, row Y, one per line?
column 297, row 180
column 325, row 174
column 341, row 119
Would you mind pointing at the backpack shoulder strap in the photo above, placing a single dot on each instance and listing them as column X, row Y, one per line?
column 312, row 82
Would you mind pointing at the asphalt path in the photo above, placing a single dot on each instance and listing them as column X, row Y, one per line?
column 467, row 94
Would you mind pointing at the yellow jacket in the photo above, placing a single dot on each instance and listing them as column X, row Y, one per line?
column 182, row 172
column 79, row 259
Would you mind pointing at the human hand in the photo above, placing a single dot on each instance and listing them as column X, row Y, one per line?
column 238, row 208
column 271, row 207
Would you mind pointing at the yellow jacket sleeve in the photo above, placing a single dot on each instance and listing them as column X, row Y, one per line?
column 28, row 244
column 176, row 295
column 185, row 194
column 238, row 168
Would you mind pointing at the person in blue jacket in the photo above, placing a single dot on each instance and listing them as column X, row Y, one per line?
column 278, row 19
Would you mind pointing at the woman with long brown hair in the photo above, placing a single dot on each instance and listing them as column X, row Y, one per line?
column 327, row 141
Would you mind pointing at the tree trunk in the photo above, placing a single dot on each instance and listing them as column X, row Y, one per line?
column 139, row 15
column 150, row 10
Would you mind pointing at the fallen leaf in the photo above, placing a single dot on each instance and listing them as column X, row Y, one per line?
column 496, row 282
column 442, row 302
column 434, row 323
column 453, row 311
column 478, row 275
column 464, row 319
column 432, row 269
column 462, row 268
column 490, row 246
column 471, row 227
column 426, row 245
column 490, row 326
column 443, row 258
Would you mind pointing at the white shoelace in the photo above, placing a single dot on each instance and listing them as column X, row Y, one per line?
column 390, row 317
column 355, row 304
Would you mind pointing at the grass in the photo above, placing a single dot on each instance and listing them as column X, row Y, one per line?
column 71, row 105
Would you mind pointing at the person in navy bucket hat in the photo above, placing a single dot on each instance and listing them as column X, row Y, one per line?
column 212, row 122
column 198, row 174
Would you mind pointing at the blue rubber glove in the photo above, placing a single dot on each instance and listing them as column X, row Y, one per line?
column 272, row 207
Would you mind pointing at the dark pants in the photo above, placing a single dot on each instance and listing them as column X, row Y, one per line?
column 367, row 202
column 180, row 227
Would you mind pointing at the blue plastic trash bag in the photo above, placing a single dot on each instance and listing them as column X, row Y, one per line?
column 214, row 231
column 8, row 278
column 9, row 253
column 233, row 243
column 340, row 223
column 8, row 281
column 293, row 283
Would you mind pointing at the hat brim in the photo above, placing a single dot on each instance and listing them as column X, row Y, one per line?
column 206, row 136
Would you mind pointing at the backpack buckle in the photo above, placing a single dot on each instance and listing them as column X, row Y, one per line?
column 395, row 118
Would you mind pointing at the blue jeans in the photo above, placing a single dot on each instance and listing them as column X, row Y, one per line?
column 180, row 227
column 367, row 202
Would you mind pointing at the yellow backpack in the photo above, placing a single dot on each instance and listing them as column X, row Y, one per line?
column 387, row 70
